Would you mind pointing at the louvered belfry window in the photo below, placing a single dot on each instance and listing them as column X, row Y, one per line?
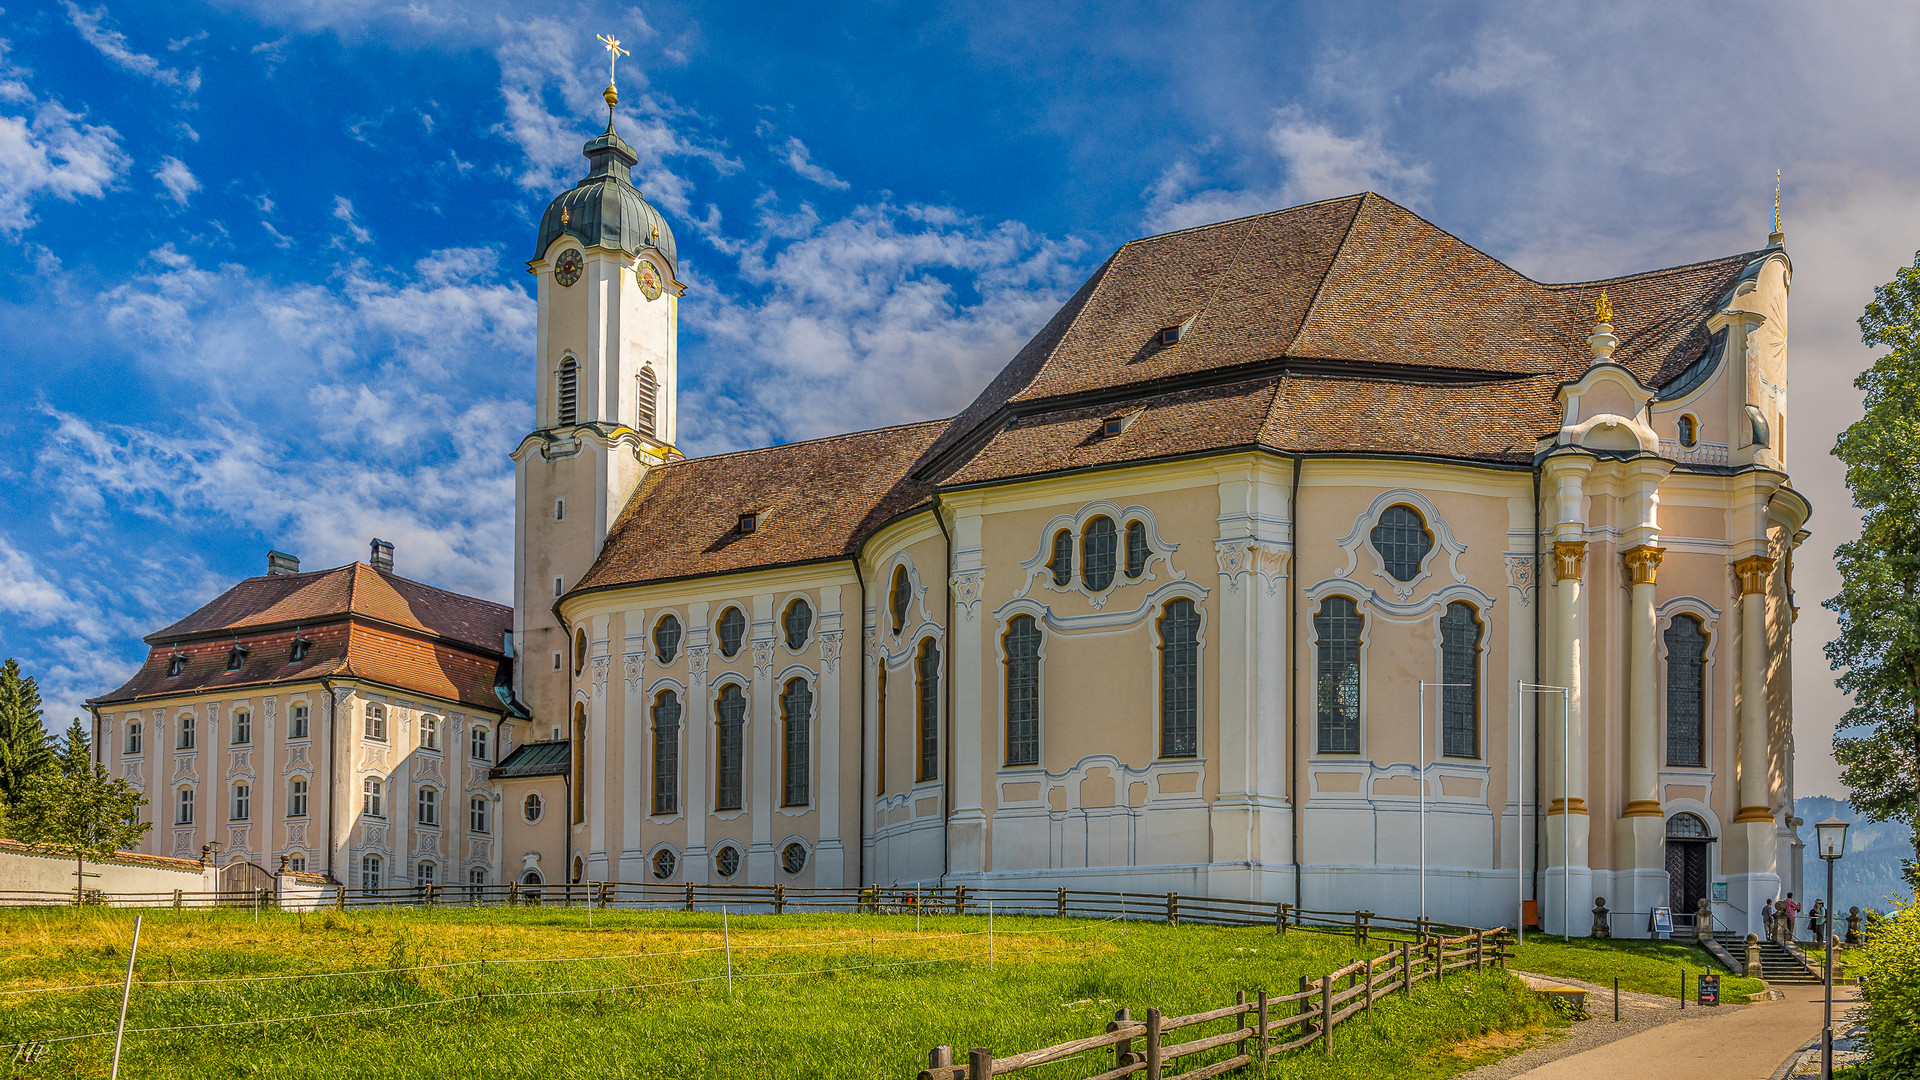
column 1180, row 680
column 1460, row 671
column 666, row 753
column 648, row 400
column 569, row 391
column 729, row 749
column 1098, row 544
column 796, row 713
column 927, row 682
column 1402, row 539
column 1023, row 691
column 1686, row 692
column 1337, row 626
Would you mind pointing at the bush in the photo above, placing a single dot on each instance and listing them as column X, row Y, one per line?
column 1891, row 965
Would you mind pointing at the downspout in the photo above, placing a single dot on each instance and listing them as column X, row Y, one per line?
column 1539, row 598
column 946, row 698
column 566, row 820
column 860, row 860
column 333, row 740
column 99, row 752
column 1293, row 672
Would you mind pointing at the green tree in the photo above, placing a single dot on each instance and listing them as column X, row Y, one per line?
column 79, row 810
column 74, row 748
column 1878, row 648
column 23, row 742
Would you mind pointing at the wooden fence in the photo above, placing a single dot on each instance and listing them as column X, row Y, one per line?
column 1266, row 1026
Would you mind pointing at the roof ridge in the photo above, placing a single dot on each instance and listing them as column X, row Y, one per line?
column 1320, row 287
column 1642, row 275
column 805, row 442
column 1243, row 217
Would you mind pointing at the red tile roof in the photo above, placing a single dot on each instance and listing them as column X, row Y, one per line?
column 357, row 589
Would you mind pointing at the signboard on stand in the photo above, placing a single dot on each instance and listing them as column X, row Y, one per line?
column 1719, row 892
column 1661, row 921
column 1709, row 989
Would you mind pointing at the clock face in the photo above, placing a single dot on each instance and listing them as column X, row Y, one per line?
column 649, row 280
column 567, row 270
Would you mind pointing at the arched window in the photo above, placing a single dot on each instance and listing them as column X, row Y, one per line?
column 242, row 802
column 579, row 651
column 727, row 863
column 532, row 877
column 476, row 877
column 297, row 722
column 372, row 791
column 730, row 710
column 1180, row 679
column 297, row 862
column 793, row 857
column 533, row 808
column 1098, row 543
column 429, row 806
column 370, row 867
column 297, row 797
column 185, row 742
column 797, row 623
column 1137, row 550
column 1337, row 689
column 898, row 598
column 577, row 746
column 1460, row 670
column 926, row 672
column 569, row 391
column 477, row 814
column 477, row 743
column 242, row 727
column 665, row 862
column 1022, row 642
column 424, row 873
column 376, row 726
column 647, row 397
column 1686, row 692
column 1062, row 562
column 796, row 717
column 666, row 753
column 1685, row 826
column 133, row 737
column 733, row 630
column 880, row 732
column 1689, row 430
column 184, row 815
column 666, row 639
column 1402, row 539
column 429, row 732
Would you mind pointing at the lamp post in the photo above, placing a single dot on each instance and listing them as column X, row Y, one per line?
column 1422, row 778
column 1832, row 834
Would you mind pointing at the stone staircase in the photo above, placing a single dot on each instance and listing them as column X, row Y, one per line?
column 1778, row 963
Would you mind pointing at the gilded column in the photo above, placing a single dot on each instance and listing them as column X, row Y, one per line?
column 1643, row 700
column 1754, row 789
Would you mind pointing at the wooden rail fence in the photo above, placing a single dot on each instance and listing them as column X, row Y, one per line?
column 1263, row 1027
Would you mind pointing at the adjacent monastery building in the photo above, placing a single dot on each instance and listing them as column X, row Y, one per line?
column 1314, row 556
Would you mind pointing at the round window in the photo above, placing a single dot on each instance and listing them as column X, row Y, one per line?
column 533, row 807
column 793, row 857
column 728, row 861
column 664, row 862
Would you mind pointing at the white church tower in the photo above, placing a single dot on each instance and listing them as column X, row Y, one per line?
column 605, row 407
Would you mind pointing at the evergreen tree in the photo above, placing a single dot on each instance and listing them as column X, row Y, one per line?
column 23, row 742
column 1878, row 648
column 75, row 748
column 77, row 809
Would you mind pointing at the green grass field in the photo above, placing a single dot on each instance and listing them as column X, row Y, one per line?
column 1649, row 967
column 813, row 996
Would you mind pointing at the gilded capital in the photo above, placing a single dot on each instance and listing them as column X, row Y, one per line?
column 1569, row 556
column 1753, row 572
column 1643, row 562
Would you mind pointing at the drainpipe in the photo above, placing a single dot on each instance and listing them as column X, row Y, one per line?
column 1539, row 598
column 1293, row 673
column 860, row 859
column 946, row 698
column 566, row 819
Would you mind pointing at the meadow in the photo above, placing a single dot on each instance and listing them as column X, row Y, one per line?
column 537, row 992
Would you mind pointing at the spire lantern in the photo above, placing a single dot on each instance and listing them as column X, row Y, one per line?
column 1602, row 341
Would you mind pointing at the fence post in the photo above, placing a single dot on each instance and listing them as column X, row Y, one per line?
column 1368, row 996
column 1173, row 909
column 176, row 899
column 1122, row 1050
column 1240, row 998
column 340, row 898
column 1060, row 908
column 1280, row 918
column 1357, row 939
column 1260, row 1014
column 1306, row 1003
column 1366, row 927
column 1326, row 1013
column 1406, row 967
column 513, row 894
column 940, row 1057
column 608, row 890
column 1479, row 950
column 979, row 1062
column 1153, row 1045
column 780, row 908
column 1439, row 958
column 689, row 896
column 959, row 899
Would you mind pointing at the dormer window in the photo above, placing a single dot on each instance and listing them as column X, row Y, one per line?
column 1172, row 335
column 299, row 650
column 236, row 656
column 176, row 666
column 749, row 524
column 1117, row 423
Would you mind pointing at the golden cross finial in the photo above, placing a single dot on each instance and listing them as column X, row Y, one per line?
column 1776, row 200
column 614, row 53
column 1603, row 309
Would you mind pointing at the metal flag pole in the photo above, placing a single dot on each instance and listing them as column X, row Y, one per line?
column 1422, row 785
column 126, row 992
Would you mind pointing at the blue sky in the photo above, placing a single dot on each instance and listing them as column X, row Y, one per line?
column 261, row 263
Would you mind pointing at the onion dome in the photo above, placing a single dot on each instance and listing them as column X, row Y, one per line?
column 605, row 209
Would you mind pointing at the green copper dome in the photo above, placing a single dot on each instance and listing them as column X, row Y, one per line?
column 605, row 209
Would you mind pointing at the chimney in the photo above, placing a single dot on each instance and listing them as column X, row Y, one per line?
column 381, row 557
column 279, row 562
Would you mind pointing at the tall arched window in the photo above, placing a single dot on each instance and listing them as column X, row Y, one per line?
column 1689, row 430
column 579, row 650
column 1337, row 687
column 1180, row 679
column 1062, row 562
column 796, row 719
column 898, row 597
column 880, row 732
column 729, row 749
column 733, row 630
column 666, row 753
column 926, row 675
column 1098, row 551
column 242, row 802
column 578, row 749
column 666, row 639
column 1402, row 539
column 297, row 797
column 1686, row 692
column 1137, row 550
column 569, row 391
column 477, row 743
column 185, row 814
column 647, row 397
column 797, row 623
column 1460, row 670
column 1023, row 691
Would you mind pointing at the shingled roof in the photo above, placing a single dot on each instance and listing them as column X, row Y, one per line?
column 1345, row 326
column 357, row 589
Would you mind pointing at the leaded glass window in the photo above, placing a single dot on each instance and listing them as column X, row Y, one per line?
column 1337, row 626
column 1097, row 553
column 1062, row 562
column 898, row 598
column 733, row 629
column 666, row 639
column 1180, row 680
column 1023, row 691
column 1402, row 539
column 796, row 714
column 1137, row 550
column 666, row 753
column 1686, row 692
column 1460, row 671
column 926, row 673
column 730, row 747
column 797, row 623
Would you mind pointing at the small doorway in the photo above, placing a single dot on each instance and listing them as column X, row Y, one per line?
column 1687, row 840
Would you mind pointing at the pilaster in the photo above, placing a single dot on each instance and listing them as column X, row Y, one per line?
column 763, row 797
column 976, row 740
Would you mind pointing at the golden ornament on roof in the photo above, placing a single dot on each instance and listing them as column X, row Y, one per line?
column 1603, row 309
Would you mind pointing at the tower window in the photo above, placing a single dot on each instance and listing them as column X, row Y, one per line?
column 1689, row 430
column 733, row 630
column 647, row 397
column 569, row 391
column 559, row 586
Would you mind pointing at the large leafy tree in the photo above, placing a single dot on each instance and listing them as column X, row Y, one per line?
column 78, row 810
column 23, row 742
column 1878, row 648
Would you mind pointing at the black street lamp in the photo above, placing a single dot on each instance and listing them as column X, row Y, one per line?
column 1832, row 840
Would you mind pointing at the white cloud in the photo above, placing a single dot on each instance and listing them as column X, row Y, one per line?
column 797, row 158
column 343, row 213
column 47, row 150
column 114, row 45
column 179, row 180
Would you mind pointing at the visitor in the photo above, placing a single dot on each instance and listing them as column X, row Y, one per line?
column 1817, row 922
column 1767, row 925
column 1789, row 910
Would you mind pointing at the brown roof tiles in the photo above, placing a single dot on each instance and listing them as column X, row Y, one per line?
column 356, row 589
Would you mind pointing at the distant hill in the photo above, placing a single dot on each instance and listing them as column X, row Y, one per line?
column 1869, row 874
